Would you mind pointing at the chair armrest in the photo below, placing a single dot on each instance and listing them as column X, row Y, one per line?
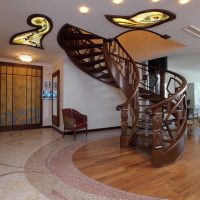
column 79, row 117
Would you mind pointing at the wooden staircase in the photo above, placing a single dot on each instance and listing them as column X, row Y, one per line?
column 155, row 101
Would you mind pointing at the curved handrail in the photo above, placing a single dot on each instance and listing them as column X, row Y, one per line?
column 135, row 89
column 109, row 62
column 131, row 94
column 169, row 112
column 173, row 96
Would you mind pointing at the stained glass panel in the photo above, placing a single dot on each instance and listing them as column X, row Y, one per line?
column 142, row 20
column 34, row 37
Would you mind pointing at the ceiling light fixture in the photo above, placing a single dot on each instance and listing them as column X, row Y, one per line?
column 84, row 9
column 184, row 1
column 117, row 1
column 25, row 58
column 155, row 1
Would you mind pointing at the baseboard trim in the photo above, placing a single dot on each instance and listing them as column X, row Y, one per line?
column 61, row 132
column 83, row 131
column 58, row 130
column 19, row 128
column 47, row 126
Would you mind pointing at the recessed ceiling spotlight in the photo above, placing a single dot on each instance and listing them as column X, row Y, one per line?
column 84, row 9
column 184, row 1
column 117, row 1
column 25, row 58
column 155, row 0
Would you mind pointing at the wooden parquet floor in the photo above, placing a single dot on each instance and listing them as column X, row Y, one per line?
column 131, row 170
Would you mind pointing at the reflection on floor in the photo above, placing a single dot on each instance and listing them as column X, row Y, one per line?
column 37, row 165
column 131, row 171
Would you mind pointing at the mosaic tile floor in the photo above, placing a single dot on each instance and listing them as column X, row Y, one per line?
column 37, row 165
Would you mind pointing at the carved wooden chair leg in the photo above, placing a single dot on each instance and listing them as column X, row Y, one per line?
column 86, row 130
column 74, row 135
column 63, row 134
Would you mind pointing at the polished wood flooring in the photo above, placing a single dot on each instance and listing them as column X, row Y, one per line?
column 131, row 170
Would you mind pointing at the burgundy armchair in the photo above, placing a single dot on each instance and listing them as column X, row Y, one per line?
column 73, row 120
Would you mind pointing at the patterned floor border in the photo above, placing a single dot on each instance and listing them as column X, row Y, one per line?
column 77, row 185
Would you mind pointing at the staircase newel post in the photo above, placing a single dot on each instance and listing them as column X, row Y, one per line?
column 124, row 128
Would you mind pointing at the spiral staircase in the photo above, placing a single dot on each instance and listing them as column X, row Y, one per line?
column 153, row 117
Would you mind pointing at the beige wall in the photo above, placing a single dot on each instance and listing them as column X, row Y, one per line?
column 143, row 45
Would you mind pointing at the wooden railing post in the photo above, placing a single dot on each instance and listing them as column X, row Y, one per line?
column 157, row 146
column 157, row 132
column 162, row 83
column 124, row 128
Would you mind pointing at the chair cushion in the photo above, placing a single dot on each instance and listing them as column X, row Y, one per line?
column 69, row 122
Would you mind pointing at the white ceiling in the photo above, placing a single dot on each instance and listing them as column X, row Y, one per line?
column 14, row 13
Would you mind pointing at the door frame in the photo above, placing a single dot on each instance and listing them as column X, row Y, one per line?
column 29, row 126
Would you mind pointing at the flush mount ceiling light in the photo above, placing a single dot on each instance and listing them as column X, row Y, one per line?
column 183, row 1
column 117, row 1
column 25, row 58
column 155, row 0
column 84, row 9
column 143, row 19
column 35, row 36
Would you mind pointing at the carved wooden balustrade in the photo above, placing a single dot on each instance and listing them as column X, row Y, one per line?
column 126, row 75
column 168, row 113
column 154, row 113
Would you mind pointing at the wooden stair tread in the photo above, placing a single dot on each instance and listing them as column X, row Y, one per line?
column 104, row 75
column 145, row 135
column 88, row 55
column 144, row 146
column 97, row 70
column 92, row 63
column 84, row 46
column 80, row 36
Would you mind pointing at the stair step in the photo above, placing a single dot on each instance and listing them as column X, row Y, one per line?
column 147, row 147
column 105, row 75
column 97, row 70
column 80, row 36
column 88, row 55
column 85, row 46
column 145, row 135
column 151, row 98
column 145, row 120
column 92, row 63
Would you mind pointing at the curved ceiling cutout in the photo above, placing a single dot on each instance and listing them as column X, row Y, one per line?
column 165, row 36
column 143, row 45
column 35, row 36
column 143, row 19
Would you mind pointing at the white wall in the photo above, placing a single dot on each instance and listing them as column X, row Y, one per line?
column 47, row 106
column 89, row 96
column 187, row 65
column 59, row 65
